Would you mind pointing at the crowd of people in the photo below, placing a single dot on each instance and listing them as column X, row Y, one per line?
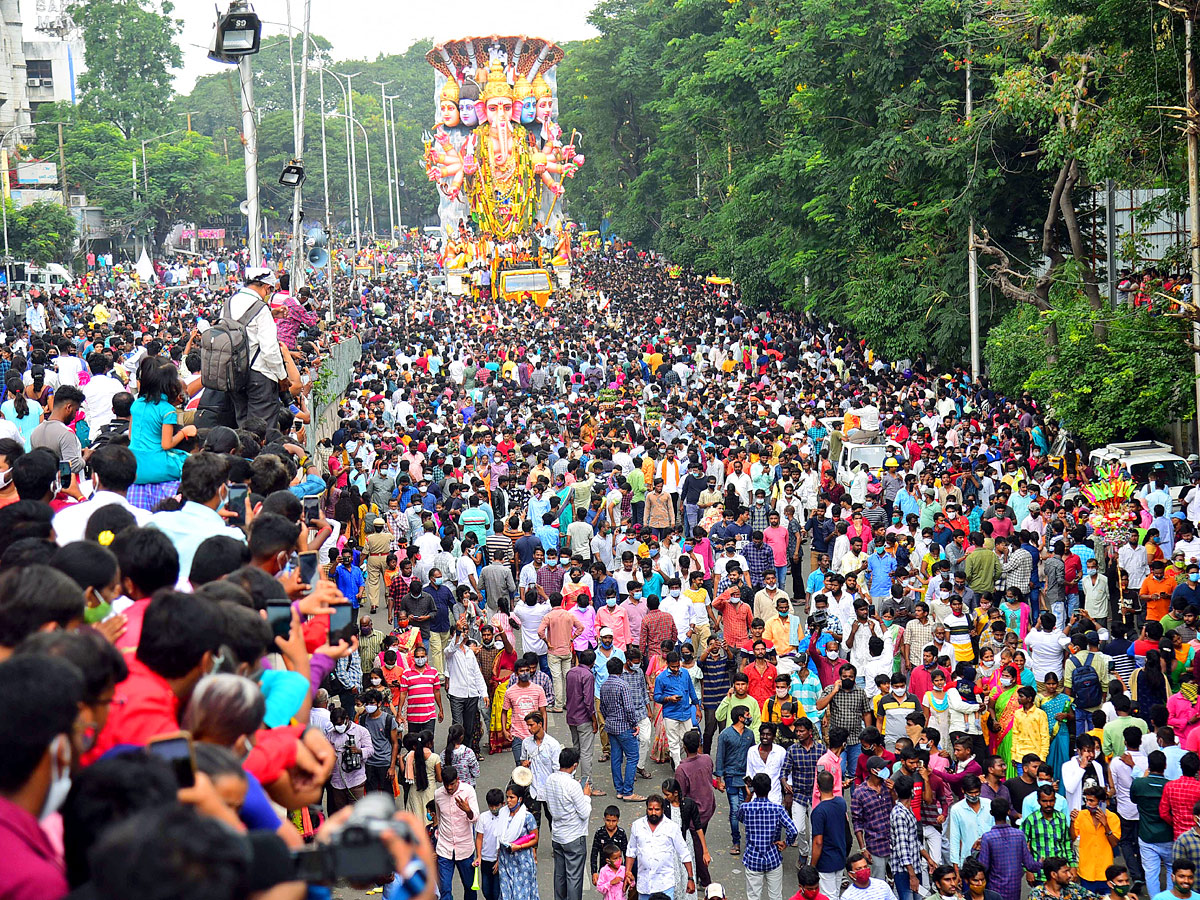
column 618, row 530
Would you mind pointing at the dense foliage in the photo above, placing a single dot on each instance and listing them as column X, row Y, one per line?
column 822, row 155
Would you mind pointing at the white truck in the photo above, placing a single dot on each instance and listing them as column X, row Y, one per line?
column 1141, row 459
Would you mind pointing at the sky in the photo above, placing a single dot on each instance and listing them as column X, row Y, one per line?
column 365, row 29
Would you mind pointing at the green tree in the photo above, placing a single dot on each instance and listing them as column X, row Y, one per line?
column 1102, row 389
column 41, row 232
column 130, row 48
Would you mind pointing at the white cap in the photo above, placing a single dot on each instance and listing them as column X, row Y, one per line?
column 261, row 274
column 715, row 891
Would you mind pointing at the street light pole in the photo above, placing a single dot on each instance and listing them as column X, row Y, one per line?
column 387, row 153
column 325, row 176
column 395, row 161
column 297, row 244
column 354, row 159
column 250, row 142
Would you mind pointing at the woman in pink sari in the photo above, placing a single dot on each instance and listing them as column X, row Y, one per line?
column 1183, row 710
column 659, row 750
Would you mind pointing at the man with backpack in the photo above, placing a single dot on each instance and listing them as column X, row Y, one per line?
column 240, row 354
column 1086, row 678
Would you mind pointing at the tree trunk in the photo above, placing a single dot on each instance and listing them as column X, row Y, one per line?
column 1091, row 289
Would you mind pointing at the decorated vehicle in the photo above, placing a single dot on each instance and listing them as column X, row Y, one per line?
column 498, row 156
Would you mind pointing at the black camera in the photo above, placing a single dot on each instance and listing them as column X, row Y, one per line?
column 355, row 852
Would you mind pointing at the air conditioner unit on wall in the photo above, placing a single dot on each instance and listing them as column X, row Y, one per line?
column 78, row 200
column 33, row 82
column 47, row 82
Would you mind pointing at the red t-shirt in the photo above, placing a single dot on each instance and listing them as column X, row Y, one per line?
column 143, row 706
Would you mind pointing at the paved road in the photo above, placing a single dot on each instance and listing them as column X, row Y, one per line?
column 495, row 772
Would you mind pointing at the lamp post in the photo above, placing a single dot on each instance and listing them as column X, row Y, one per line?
column 297, row 244
column 367, row 144
column 394, row 163
column 387, row 153
column 235, row 39
column 353, row 157
column 325, row 177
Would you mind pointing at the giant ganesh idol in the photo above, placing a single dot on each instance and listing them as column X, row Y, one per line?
column 497, row 153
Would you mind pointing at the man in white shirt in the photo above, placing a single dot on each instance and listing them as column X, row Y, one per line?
column 767, row 757
column 1047, row 647
column 259, row 398
column 569, row 806
column 655, row 842
column 114, row 469
column 467, row 689
column 98, row 393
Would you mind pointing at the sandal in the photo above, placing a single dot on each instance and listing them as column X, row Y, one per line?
column 634, row 798
column 735, row 850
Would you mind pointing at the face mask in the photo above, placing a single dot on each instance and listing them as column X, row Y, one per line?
column 653, row 818
column 862, row 877
column 1193, row 576
column 847, row 684
column 98, row 613
column 376, row 681
column 610, row 602
column 371, row 707
column 735, row 599
column 60, row 781
column 523, row 677
column 341, row 729
column 781, row 692
column 895, row 520
column 899, row 691
column 831, row 652
column 420, row 661
column 439, row 580
column 1006, row 680
column 1121, row 889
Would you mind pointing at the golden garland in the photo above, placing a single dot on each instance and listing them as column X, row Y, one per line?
column 489, row 190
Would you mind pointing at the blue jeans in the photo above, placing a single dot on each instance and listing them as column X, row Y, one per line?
column 544, row 665
column 1083, row 721
column 466, row 872
column 691, row 518
column 735, row 791
column 489, row 881
column 850, row 761
column 518, row 749
column 781, row 574
column 1156, row 861
column 904, row 890
column 624, row 747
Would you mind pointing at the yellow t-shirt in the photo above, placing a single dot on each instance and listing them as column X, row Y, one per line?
column 1095, row 852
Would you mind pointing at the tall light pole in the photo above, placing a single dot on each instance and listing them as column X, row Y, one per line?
column 367, row 143
column 387, row 153
column 325, row 176
column 250, row 140
column 354, row 158
column 395, row 161
column 298, row 244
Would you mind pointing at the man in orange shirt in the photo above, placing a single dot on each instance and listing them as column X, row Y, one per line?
column 558, row 629
column 1156, row 590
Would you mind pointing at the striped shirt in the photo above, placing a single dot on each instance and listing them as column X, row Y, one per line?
column 715, row 684
column 1049, row 837
column 419, row 684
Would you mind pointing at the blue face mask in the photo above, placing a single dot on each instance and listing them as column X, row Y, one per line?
column 1193, row 576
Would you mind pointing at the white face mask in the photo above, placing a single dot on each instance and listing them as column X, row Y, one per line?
column 60, row 780
column 1006, row 680
column 376, row 681
column 341, row 729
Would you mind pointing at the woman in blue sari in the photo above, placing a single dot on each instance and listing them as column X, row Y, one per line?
column 1060, row 714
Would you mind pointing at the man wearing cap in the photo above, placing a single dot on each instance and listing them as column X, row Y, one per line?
column 259, row 397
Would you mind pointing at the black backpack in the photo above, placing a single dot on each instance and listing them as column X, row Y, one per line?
column 1085, row 684
column 225, row 359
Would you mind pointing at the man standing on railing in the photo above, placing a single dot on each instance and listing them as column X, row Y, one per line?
column 260, row 395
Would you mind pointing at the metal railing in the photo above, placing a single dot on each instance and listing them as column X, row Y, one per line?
column 332, row 379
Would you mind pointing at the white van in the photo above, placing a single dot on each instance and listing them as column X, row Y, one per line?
column 1142, row 458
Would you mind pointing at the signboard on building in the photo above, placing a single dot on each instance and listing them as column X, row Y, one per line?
column 22, row 197
column 206, row 234
column 37, row 173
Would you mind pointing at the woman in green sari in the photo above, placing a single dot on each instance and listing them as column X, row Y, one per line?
column 1004, row 704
